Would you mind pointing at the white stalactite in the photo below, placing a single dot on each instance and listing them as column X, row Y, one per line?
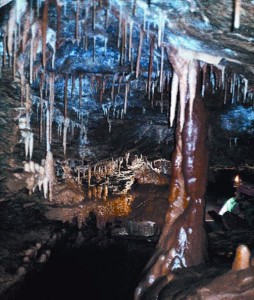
column 237, row 14
column 174, row 91
column 192, row 78
column 66, row 125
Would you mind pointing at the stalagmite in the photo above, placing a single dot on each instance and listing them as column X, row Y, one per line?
column 80, row 89
column 237, row 14
column 150, row 65
column 94, row 191
column 89, row 175
column 242, row 258
column 49, row 173
column 99, row 191
column 89, row 194
column 51, row 103
column 141, row 36
column 44, row 31
column 105, row 192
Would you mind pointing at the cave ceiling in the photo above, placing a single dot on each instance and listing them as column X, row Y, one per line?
column 117, row 52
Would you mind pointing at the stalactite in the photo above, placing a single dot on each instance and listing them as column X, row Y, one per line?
column 66, row 126
column 44, row 32
column 41, row 106
column 134, row 8
column 73, row 85
column 80, row 89
column 94, row 47
column 47, row 128
column 225, row 91
column 130, row 38
column 161, row 68
column 122, row 59
column 119, row 27
column 105, row 46
column 150, row 65
column 237, row 14
column 141, row 36
column 65, row 95
column 126, row 97
column 85, row 36
column 101, row 90
column 77, row 21
column 14, row 54
column 94, row 14
column 245, row 91
column 106, row 16
column 31, row 56
column 113, row 88
column 28, row 106
column 59, row 10
column 97, row 80
column 51, row 100
column 204, row 69
column 1, row 65
column 152, row 99
column 119, row 83
column 4, row 49
column 92, row 83
column 192, row 78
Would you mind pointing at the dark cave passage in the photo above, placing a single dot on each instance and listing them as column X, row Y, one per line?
column 97, row 272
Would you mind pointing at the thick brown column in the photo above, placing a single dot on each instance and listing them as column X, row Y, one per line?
column 182, row 242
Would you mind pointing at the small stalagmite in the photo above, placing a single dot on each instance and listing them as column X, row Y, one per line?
column 242, row 258
column 49, row 175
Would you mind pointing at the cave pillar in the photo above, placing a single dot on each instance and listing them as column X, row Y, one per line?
column 183, row 241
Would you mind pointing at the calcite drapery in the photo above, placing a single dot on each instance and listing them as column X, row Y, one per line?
column 182, row 242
